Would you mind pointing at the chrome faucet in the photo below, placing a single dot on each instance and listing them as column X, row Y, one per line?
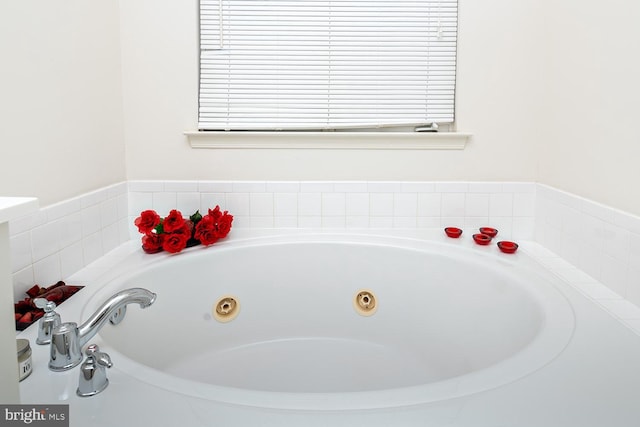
column 68, row 338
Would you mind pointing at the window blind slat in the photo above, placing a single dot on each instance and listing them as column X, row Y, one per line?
column 273, row 64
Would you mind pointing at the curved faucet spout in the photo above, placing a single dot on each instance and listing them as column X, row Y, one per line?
column 67, row 339
column 88, row 329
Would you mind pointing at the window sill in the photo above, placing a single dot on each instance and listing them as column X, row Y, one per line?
column 329, row 140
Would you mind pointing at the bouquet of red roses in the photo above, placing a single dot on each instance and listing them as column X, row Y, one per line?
column 174, row 232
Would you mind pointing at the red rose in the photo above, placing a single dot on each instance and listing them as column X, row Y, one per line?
column 224, row 224
column 206, row 231
column 174, row 242
column 187, row 228
column 173, row 222
column 152, row 243
column 215, row 213
column 147, row 221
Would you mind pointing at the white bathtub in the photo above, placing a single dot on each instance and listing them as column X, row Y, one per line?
column 450, row 321
column 463, row 336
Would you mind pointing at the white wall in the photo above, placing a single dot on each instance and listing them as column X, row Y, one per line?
column 592, row 140
column 548, row 94
column 61, row 98
column 498, row 78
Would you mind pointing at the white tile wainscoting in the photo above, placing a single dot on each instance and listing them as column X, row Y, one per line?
column 510, row 207
column 600, row 243
column 60, row 239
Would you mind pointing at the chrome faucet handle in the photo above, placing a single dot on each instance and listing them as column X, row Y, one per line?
column 48, row 322
column 93, row 373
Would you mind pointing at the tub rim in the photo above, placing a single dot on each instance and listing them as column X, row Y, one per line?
column 548, row 344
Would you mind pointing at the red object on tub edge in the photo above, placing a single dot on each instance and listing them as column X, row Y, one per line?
column 453, row 232
column 25, row 311
column 482, row 239
column 507, row 247
column 489, row 231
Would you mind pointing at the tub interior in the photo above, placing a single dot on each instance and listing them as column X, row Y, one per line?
column 438, row 317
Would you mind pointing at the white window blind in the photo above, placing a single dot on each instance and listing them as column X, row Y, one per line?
column 310, row 64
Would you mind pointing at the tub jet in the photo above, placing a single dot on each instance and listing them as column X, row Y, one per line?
column 226, row 309
column 365, row 302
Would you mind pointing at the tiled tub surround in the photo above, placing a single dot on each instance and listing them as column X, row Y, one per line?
column 352, row 204
column 60, row 239
column 601, row 244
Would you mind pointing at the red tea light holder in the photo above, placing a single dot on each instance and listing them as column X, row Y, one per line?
column 507, row 247
column 489, row 231
column 482, row 239
column 453, row 232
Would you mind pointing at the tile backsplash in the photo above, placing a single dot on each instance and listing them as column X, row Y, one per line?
column 347, row 204
column 61, row 239
column 601, row 241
